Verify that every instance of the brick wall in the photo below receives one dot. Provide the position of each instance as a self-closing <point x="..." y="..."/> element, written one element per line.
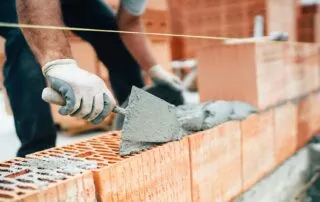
<point x="214" y="165"/>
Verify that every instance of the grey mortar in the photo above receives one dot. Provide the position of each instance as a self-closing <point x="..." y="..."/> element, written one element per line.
<point x="199" y="117"/>
<point x="150" y="119"/>
<point x="45" y="169"/>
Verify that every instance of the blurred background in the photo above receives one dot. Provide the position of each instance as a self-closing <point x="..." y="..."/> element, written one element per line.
<point x="300" y="20"/>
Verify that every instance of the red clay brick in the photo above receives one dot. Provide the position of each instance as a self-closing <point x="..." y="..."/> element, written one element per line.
<point x="315" y="113"/>
<point x="305" y="132"/>
<point x="257" y="147"/>
<point x="153" y="175"/>
<point x="285" y="131"/>
<point x="255" y="73"/>
<point x="216" y="163"/>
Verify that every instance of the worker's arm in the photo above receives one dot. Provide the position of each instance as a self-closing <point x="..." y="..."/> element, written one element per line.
<point x="85" y="94"/>
<point x="47" y="45"/>
<point x="129" y="19"/>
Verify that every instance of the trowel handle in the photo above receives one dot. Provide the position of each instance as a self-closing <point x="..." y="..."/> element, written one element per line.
<point x="52" y="96"/>
<point x="119" y="110"/>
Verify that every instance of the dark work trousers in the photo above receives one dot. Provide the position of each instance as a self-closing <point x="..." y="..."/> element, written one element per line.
<point x="24" y="81"/>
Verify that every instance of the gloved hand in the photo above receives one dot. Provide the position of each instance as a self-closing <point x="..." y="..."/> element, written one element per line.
<point x="85" y="94"/>
<point x="161" y="76"/>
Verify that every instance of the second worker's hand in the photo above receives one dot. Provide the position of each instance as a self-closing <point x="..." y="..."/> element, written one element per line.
<point x="161" y="76"/>
<point x="85" y="94"/>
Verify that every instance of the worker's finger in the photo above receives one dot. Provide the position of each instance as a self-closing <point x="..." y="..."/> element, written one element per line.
<point x="97" y="107"/>
<point x="72" y="103"/>
<point x="107" y="108"/>
<point x="52" y="96"/>
<point x="86" y="107"/>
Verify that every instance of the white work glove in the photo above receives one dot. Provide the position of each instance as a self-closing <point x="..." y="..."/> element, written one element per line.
<point x="85" y="95"/>
<point x="161" y="76"/>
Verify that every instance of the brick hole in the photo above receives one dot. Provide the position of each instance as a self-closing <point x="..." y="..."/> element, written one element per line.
<point x="9" y="162"/>
<point x="83" y="147"/>
<point x="85" y="154"/>
<point x="4" y="165"/>
<point x="93" y="159"/>
<point x="114" y="135"/>
<point x="100" y="147"/>
<point x="46" y="180"/>
<point x="101" y="164"/>
<point x="72" y="159"/>
<point x="25" y="187"/>
<point x="68" y="147"/>
<point x="37" y="155"/>
<point x="102" y="150"/>
<point x="24" y="180"/>
<point x="20" y="193"/>
<point x="113" y="147"/>
<point x="40" y="168"/>
<point x="69" y="152"/>
<point x="5" y="170"/>
<point x="55" y="155"/>
<point x="7" y="196"/>
<point x="54" y="152"/>
<point x="5" y="188"/>
<point x="109" y="153"/>
<point x="5" y="182"/>
<point x="112" y="158"/>
<point x="112" y="162"/>
<point x="43" y="173"/>
<point x="14" y="175"/>
<point x="65" y="173"/>
<point x="18" y="164"/>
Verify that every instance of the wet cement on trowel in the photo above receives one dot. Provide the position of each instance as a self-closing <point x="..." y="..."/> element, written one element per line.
<point x="148" y="120"/>
<point x="44" y="170"/>
<point x="191" y="118"/>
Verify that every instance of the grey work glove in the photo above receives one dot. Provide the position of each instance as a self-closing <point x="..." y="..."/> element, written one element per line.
<point x="85" y="95"/>
<point x="161" y="76"/>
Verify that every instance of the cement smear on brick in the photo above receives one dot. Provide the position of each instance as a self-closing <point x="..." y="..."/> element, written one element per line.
<point x="199" y="117"/>
<point x="38" y="173"/>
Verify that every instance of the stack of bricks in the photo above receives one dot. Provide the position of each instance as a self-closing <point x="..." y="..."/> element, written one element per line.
<point x="213" y="165"/>
<point x="262" y="74"/>
<point x="308" y="29"/>
<point x="226" y="18"/>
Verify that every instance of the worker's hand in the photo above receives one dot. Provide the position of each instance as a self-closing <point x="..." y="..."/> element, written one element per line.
<point x="85" y="95"/>
<point x="161" y="76"/>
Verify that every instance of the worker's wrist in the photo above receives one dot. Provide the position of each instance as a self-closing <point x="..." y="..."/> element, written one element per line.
<point x="58" y="62"/>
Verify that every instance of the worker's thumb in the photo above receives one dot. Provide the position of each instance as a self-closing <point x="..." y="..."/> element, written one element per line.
<point x="52" y="96"/>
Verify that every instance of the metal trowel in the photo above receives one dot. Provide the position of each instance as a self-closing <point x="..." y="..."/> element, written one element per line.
<point x="148" y="119"/>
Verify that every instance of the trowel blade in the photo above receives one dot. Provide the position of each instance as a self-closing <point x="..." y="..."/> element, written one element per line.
<point x="150" y="119"/>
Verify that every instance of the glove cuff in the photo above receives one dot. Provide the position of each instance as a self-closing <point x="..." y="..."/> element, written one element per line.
<point x="153" y="71"/>
<point x="54" y="63"/>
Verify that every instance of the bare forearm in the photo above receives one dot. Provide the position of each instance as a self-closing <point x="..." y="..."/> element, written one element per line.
<point x="46" y="44"/>
<point x="137" y="44"/>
